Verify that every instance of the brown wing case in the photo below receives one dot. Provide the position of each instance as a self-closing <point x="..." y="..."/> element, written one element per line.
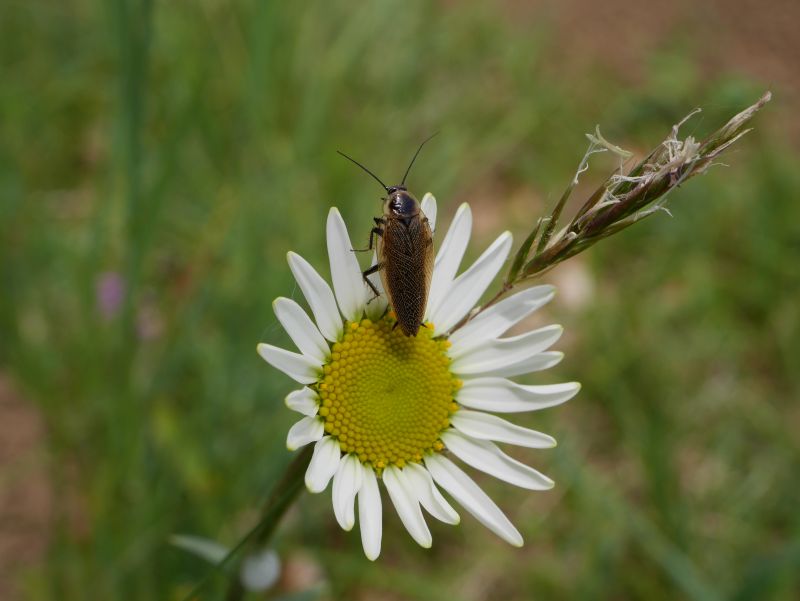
<point x="406" y="251"/>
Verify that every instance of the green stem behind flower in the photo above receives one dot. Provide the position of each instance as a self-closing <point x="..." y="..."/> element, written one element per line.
<point x="281" y="497"/>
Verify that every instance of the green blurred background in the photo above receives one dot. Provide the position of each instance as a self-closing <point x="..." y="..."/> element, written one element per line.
<point x="158" y="159"/>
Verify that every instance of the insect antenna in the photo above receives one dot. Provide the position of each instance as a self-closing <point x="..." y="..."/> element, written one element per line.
<point x="403" y="183"/>
<point x="377" y="179"/>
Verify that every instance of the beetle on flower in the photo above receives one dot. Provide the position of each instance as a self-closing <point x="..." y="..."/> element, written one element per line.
<point x="381" y="406"/>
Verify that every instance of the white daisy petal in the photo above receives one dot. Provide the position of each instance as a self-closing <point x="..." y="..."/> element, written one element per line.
<point x="351" y="292"/>
<point x="303" y="401"/>
<point x="376" y="305"/>
<point x="319" y="296"/>
<point x="407" y="505"/>
<point x="500" y="395"/>
<point x="308" y="429"/>
<point x="464" y="490"/>
<point x="370" y="514"/>
<point x="301" y="329"/>
<point x="428" y="205"/>
<point x="449" y="258"/>
<point x="323" y="465"/>
<point x="526" y="365"/>
<point x="467" y="288"/>
<point x="506" y="351"/>
<point x="497" y="319"/>
<point x="483" y="426"/>
<point x="298" y="367"/>
<point x="487" y="457"/>
<point x="429" y="496"/>
<point x="346" y="484"/>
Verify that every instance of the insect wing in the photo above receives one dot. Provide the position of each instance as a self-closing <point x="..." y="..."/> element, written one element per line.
<point x="406" y="251"/>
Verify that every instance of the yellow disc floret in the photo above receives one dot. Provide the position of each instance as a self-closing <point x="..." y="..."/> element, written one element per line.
<point x="386" y="396"/>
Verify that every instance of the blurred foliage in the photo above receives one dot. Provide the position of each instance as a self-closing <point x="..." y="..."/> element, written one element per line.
<point x="188" y="146"/>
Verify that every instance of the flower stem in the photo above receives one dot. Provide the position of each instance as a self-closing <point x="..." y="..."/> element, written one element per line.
<point x="281" y="497"/>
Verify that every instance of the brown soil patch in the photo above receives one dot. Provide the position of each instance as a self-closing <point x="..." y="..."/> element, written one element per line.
<point x="25" y="494"/>
<point x="755" y="39"/>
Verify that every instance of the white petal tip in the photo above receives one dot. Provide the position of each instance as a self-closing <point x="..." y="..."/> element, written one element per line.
<point x="576" y="388"/>
<point x="371" y="556"/>
<point x="545" y="483"/>
<point x="517" y="543"/>
<point x="548" y="442"/>
<point x="290" y="447"/>
<point x="315" y="487"/>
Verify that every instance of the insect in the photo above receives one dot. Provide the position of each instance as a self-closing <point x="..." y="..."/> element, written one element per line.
<point x="405" y="252"/>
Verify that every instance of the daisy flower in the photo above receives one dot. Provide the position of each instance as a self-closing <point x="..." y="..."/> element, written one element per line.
<point x="379" y="406"/>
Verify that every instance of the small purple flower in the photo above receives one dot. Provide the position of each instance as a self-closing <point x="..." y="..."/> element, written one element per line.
<point x="110" y="290"/>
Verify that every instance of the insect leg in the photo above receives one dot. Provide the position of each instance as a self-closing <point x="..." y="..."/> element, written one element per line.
<point x="373" y="232"/>
<point x="376" y="231"/>
<point x="374" y="269"/>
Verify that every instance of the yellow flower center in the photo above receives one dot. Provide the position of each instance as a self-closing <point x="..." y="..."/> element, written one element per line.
<point x="385" y="396"/>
